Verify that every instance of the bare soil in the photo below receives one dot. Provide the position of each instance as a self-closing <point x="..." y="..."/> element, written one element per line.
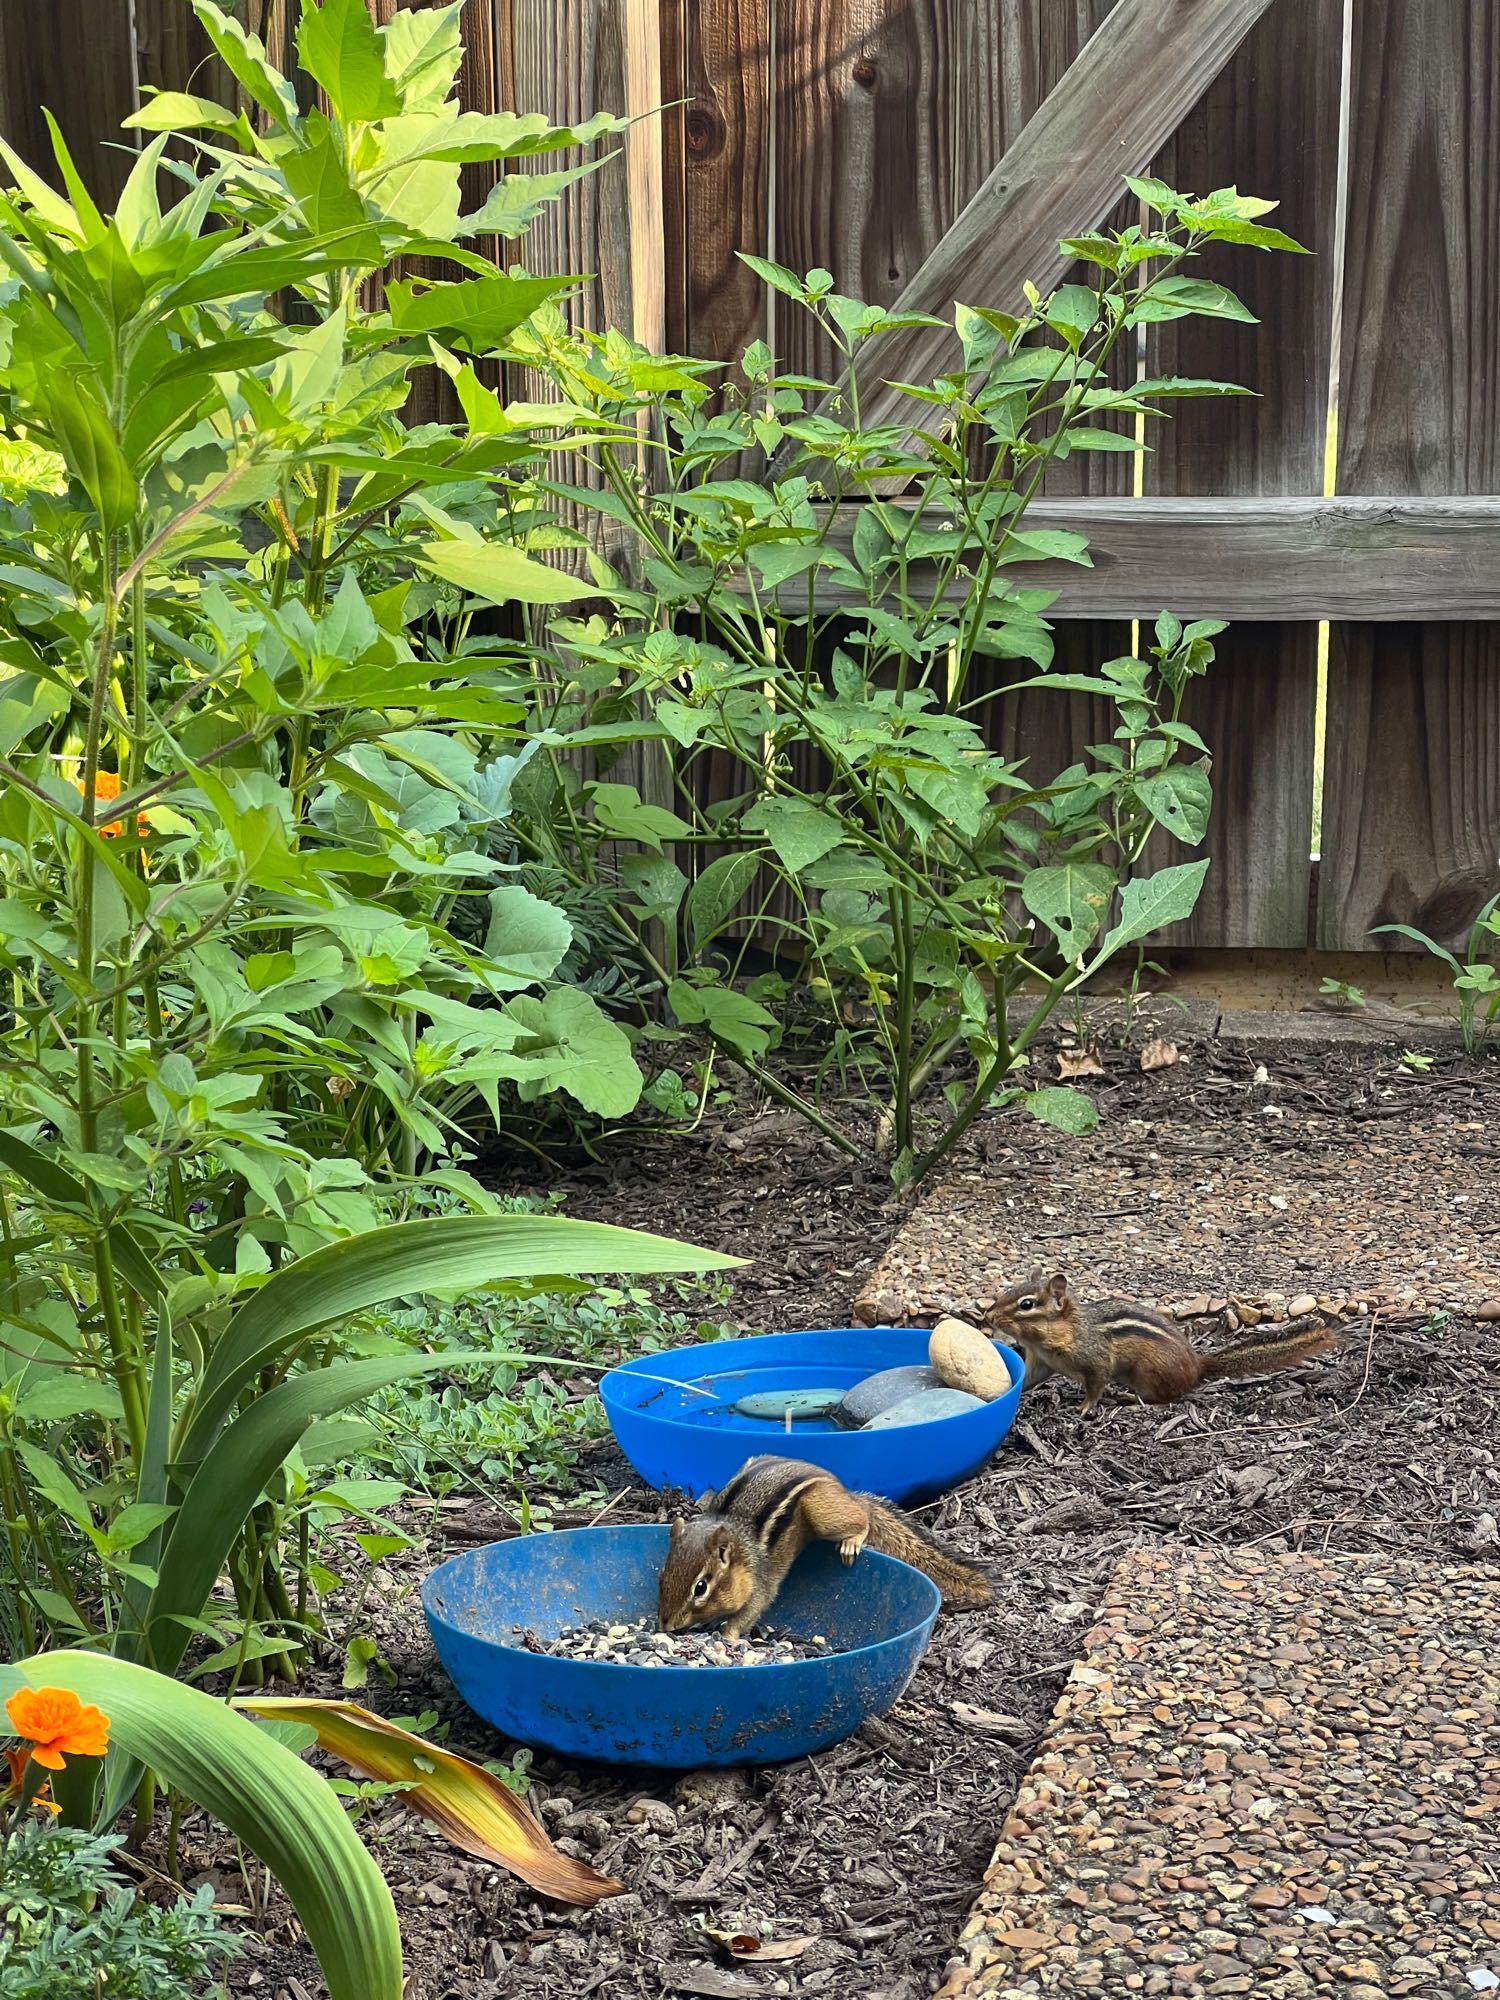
<point x="862" y="1864"/>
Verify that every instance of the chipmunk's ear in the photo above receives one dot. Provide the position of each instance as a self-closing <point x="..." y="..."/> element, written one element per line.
<point x="677" y="1531"/>
<point x="1057" y="1287"/>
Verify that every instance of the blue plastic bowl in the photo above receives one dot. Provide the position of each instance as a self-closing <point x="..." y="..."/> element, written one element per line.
<point x="676" y="1437"/>
<point x="675" y="1717"/>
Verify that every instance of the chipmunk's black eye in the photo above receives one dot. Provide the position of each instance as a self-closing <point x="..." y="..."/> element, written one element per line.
<point x="1028" y="1304"/>
<point x="700" y="1588"/>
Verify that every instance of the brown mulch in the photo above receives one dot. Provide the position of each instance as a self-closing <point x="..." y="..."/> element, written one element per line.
<point x="874" y="1851"/>
<point x="1275" y="1774"/>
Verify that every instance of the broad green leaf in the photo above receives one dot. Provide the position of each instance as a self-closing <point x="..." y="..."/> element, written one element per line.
<point x="730" y="1017"/>
<point x="283" y="1811"/>
<point x="1149" y="902"/>
<point x="88" y="444"/>
<point x="340" y="48"/>
<point x="54" y="1483"/>
<point x="777" y="276"/>
<point x="657" y="884"/>
<point x="178" y="111"/>
<point x="1072" y="899"/>
<point x="527" y="938"/>
<point x="717" y="893"/>
<point x="800" y="833"/>
<point x="502" y="574"/>
<point x="423" y="54"/>
<point x="1067" y="1110"/>
<point x="621" y="810"/>
<point x="51" y="1396"/>
<point x="569" y="1043"/>
<point x="405" y="1259"/>
<point x="479" y="311"/>
<point x="1178" y="798"/>
<point x="1176" y="298"/>
<point x="468" y="1805"/>
<point x="244" y="56"/>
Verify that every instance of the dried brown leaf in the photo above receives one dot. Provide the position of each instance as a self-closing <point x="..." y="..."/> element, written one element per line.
<point x="1159" y="1054"/>
<point x="744" y="1945"/>
<point x="1078" y="1062"/>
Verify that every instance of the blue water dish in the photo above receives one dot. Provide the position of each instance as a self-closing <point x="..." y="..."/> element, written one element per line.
<point x="673" y="1414"/>
<point x="480" y="1603"/>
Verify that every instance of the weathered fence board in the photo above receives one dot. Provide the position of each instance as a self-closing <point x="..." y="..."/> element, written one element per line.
<point x="1238" y="558"/>
<point x="1268" y="124"/>
<point x="1412" y="792"/>
<point x="76" y="59"/>
<point x="1125" y="94"/>
<point x="716" y="54"/>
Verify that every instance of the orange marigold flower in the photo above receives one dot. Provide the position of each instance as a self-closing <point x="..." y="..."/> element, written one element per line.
<point x="57" y="1725"/>
<point x="107" y="786"/>
<point x="15" y="1763"/>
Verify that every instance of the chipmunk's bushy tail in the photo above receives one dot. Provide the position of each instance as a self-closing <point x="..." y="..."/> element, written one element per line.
<point x="1268" y="1353"/>
<point x="964" y="1585"/>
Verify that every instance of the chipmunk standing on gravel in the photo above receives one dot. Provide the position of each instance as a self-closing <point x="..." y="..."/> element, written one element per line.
<point x="1120" y="1342"/>
<point x="732" y="1560"/>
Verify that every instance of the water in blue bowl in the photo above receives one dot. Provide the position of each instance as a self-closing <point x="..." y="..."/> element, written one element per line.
<point x="673" y="1414"/>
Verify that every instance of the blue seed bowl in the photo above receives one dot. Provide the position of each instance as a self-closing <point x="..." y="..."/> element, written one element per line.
<point x="877" y="1619"/>
<point x="672" y="1413"/>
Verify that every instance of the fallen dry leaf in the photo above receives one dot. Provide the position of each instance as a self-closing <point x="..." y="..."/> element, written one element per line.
<point x="991" y="1722"/>
<point x="1078" y="1062"/>
<point x="745" y="1945"/>
<point x="468" y="1805"/>
<point x="1158" y="1055"/>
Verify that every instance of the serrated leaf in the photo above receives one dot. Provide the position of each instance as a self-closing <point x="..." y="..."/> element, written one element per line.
<point x="339" y="47"/>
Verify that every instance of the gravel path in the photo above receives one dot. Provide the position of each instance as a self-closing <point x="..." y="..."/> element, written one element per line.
<point x="1275" y="1775"/>
<point x="1234" y="1189"/>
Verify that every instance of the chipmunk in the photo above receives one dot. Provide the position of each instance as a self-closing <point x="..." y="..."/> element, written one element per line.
<point x="733" y="1559"/>
<point x="1119" y="1342"/>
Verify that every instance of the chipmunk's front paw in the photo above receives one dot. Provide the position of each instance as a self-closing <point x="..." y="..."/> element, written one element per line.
<point x="850" y="1547"/>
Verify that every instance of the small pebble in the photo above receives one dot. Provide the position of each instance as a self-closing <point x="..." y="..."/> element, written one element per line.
<point x="641" y="1645"/>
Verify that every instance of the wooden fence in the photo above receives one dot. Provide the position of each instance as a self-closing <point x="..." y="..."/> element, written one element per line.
<point x="924" y="150"/>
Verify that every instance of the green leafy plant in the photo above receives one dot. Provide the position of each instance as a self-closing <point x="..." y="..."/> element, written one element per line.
<point x="1342" y="993"/>
<point x="953" y="896"/>
<point x="69" y="1926"/>
<point x="1476" y="976"/>
<point x="253" y="743"/>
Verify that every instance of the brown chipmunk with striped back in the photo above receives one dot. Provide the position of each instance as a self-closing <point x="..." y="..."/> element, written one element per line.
<point x="732" y="1560"/>
<point x="1116" y="1341"/>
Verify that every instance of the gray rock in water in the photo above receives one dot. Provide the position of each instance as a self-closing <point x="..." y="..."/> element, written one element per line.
<point x="925" y="1407"/>
<point x="867" y="1399"/>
